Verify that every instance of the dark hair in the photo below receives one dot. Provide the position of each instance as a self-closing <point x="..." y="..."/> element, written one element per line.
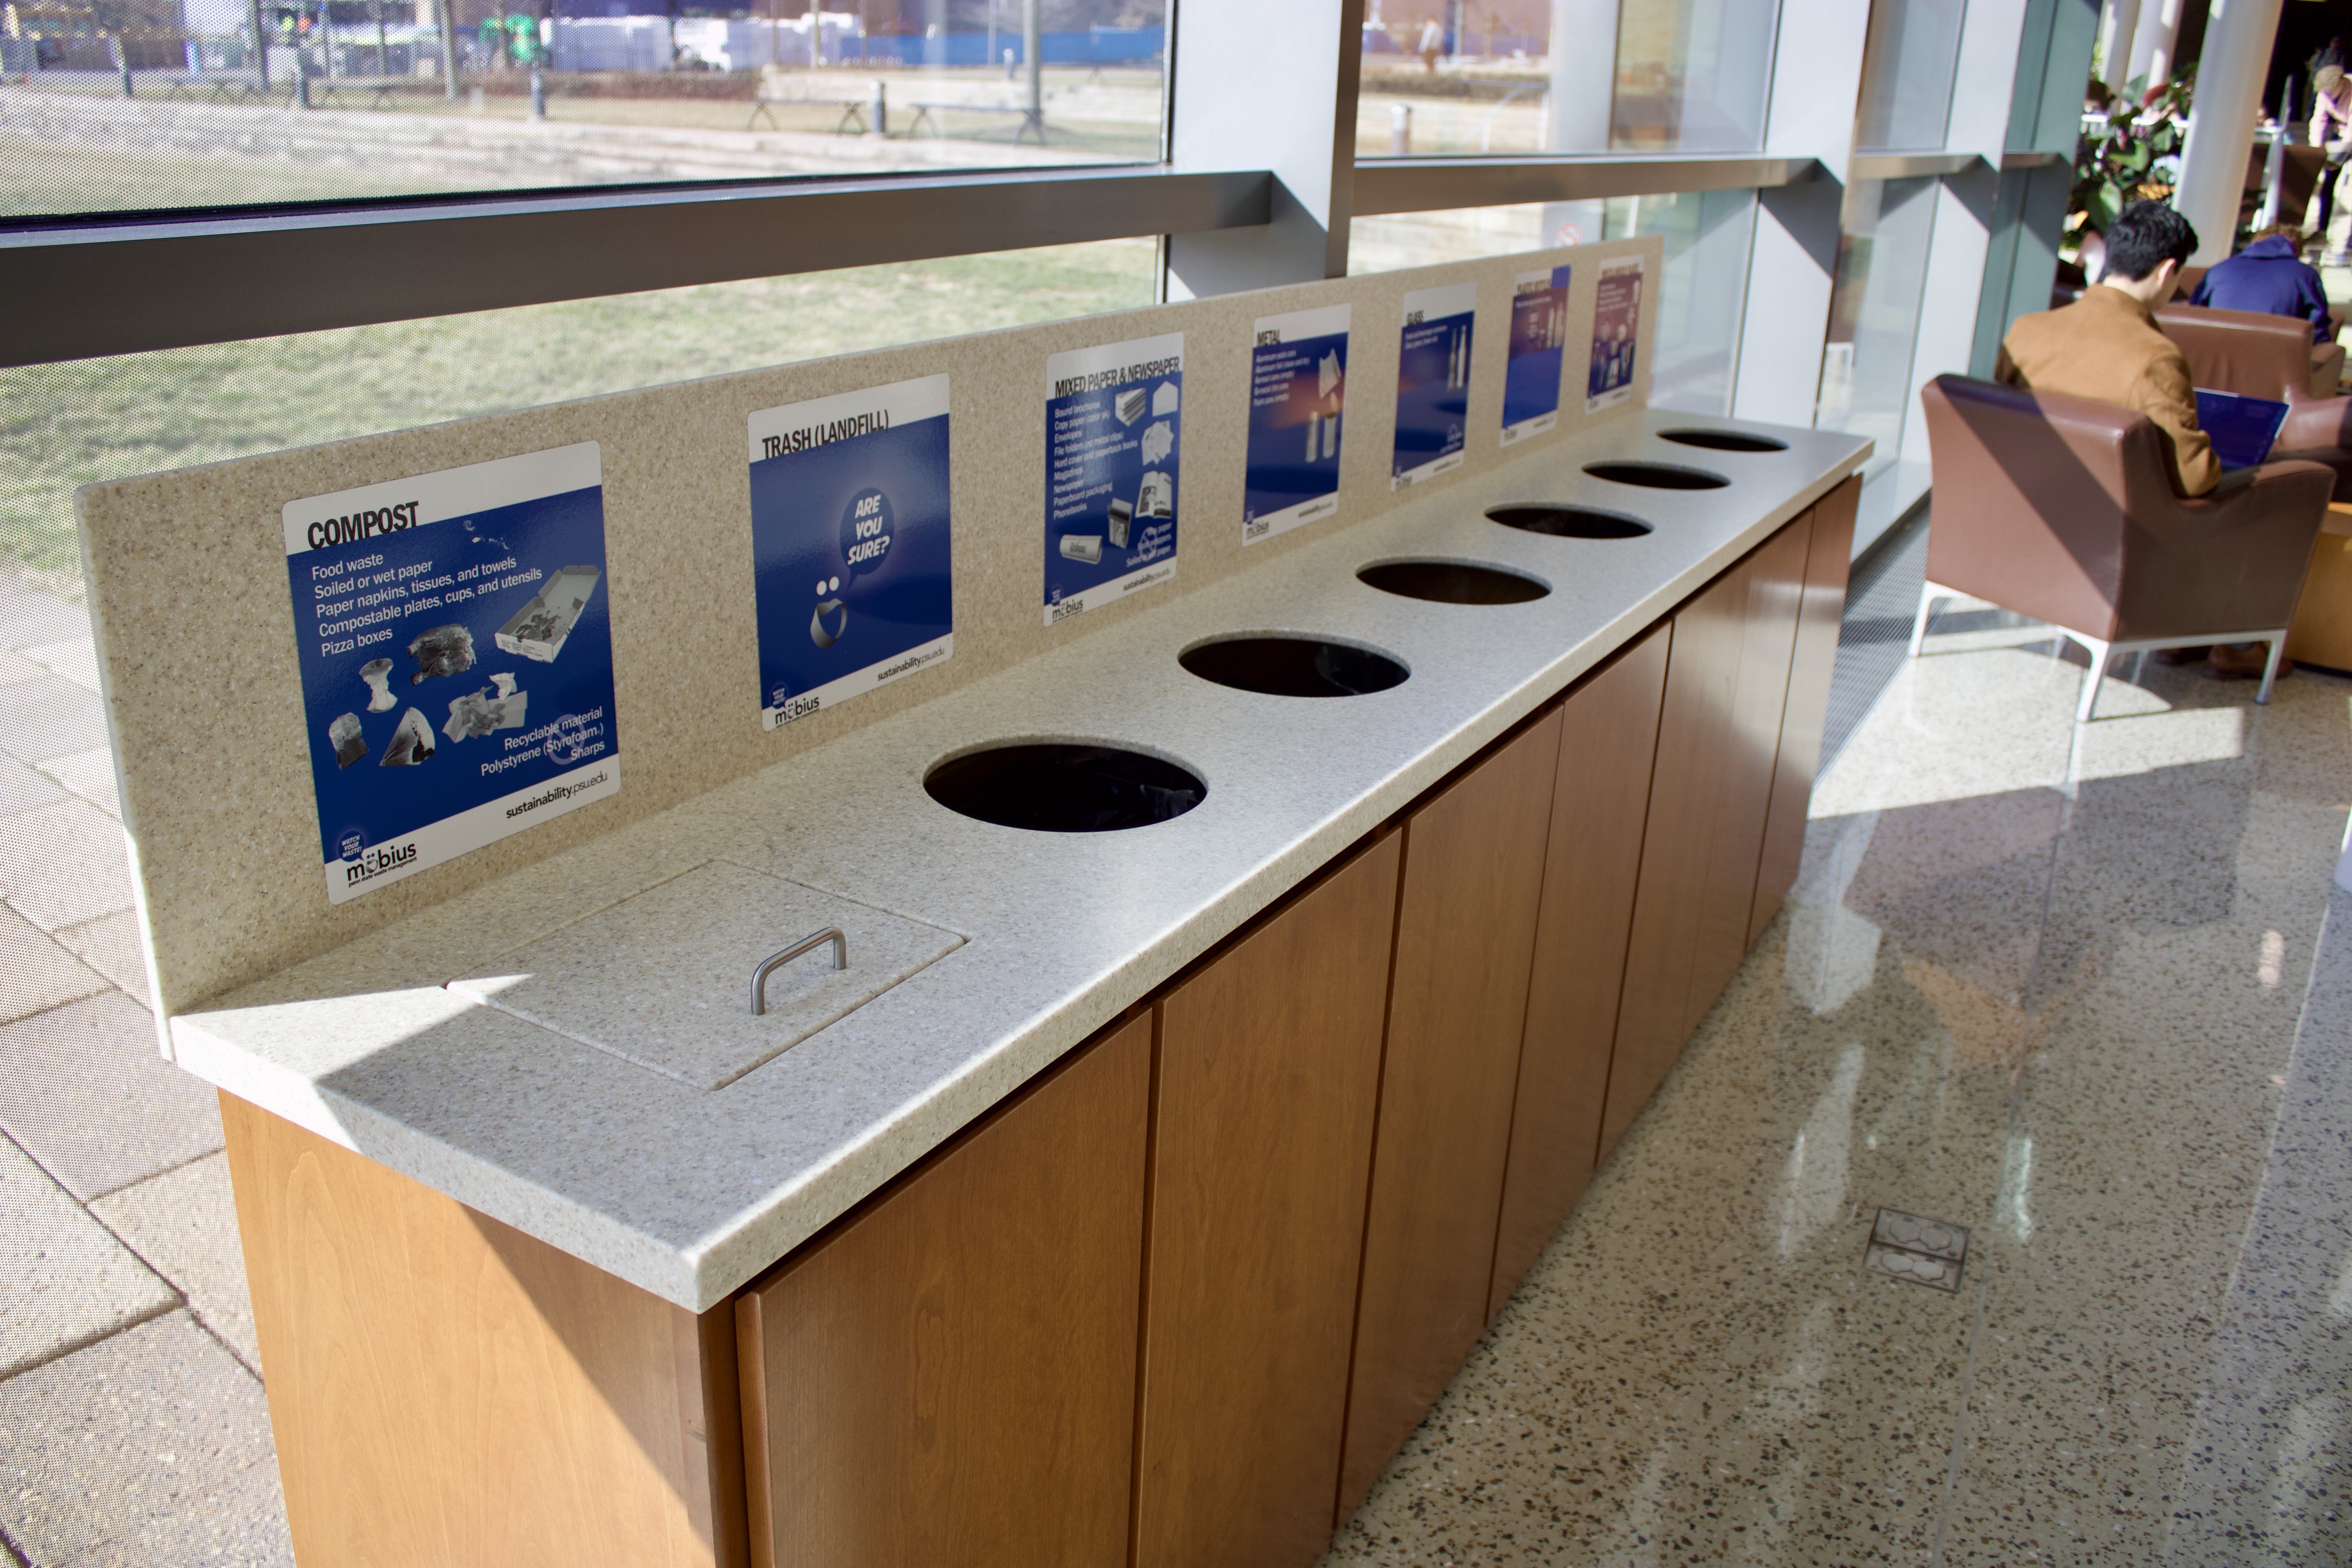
<point x="2144" y="237"/>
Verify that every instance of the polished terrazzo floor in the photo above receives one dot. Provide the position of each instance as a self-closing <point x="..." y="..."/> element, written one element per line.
<point x="2056" y="996"/>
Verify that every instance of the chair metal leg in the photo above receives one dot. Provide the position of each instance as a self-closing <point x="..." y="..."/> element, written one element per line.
<point x="2139" y="666"/>
<point x="2269" y="668"/>
<point x="1928" y="593"/>
<point x="2099" y="652"/>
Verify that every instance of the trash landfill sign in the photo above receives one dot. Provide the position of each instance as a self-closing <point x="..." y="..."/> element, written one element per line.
<point x="457" y="657"/>
<point x="849" y="544"/>
<point x="1113" y="416"/>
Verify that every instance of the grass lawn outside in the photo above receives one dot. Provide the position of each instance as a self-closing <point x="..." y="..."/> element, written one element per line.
<point x="64" y="425"/>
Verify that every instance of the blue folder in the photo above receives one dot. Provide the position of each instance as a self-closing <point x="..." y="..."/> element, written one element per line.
<point x="2240" y="428"/>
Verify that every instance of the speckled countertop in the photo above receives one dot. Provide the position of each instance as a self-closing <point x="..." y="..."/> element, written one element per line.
<point x="689" y="1192"/>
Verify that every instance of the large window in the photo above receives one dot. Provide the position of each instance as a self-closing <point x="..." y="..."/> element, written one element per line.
<point x="1692" y="75"/>
<point x="1908" y="64"/>
<point x="1881" y="280"/>
<point x="1686" y="76"/>
<point x="140" y="104"/>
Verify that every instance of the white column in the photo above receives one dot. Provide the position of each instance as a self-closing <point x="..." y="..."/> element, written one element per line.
<point x="1260" y="86"/>
<point x="2151" y="51"/>
<point x="1583" y="54"/>
<point x="2117" y="25"/>
<point x="2238" y="38"/>
<point x="1816" y="84"/>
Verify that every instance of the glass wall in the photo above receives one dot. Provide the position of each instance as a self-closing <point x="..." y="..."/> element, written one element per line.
<point x="1882" y="277"/>
<point x="1704" y="294"/>
<point x="1445" y="77"/>
<point x="1692" y="75"/>
<point x="64" y="425"/>
<point x="179" y="107"/>
<point x="1907" y="67"/>
<point x="1699" y="300"/>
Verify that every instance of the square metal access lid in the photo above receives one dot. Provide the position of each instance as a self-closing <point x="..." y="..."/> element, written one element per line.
<point x="662" y="979"/>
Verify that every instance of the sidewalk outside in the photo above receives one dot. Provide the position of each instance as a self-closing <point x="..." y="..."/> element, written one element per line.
<point x="133" y="1427"/>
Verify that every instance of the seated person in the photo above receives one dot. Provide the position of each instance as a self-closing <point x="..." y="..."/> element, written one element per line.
<point x="2107" y="346"/>
<point x="2269" y="278"/>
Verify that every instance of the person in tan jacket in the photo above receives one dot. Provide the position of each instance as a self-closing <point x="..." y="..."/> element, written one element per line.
<point x="2106" y="345"/>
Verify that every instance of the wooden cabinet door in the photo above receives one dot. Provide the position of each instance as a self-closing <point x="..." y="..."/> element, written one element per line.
<point x="445" y="1389"/>
<point x="1776" y="586"/>
<point x="1269" y="1068"/>
<point x="1693" y="750"/>
<point x="1608" y="735"/>
<point x="1465" y="935"/>
<point x="948" y="1376"/>
<point x="1810" y="669"/>
<point x="1710" y="791"/>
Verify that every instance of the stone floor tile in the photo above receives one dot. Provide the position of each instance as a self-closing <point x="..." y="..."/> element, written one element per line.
<point x="23" y="788"/>
<point x="65" y="864"/>
<point x="183" y="1222"/>
<point x="111" y="944"/>
<point x="150" y="1449"/>
<point x="28" y="617"/>
<point x="36" y="974"/>
<point x="84" y="1090"/>
<point x="14" y="667"/>
<point x="64" y="1281"/>
<point x="47" y="717"/>
<point x="75" y="660"/>
<point x="89" y="775"/>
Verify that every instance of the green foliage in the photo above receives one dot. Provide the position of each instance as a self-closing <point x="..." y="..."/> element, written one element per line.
<point x="2117" y="163"/>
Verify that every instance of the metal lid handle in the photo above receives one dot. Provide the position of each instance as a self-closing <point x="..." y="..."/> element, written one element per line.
<point x="774" y="962"/>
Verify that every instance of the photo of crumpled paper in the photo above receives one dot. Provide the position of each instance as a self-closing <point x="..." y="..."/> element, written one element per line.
<point x="492" y="708"/>
<point x="440" y="651"/>
<point x="1159" y="440"/>
<point x="344" y="734"/>
<point x="412" y="743"/>
<point x="1327" y="374"/>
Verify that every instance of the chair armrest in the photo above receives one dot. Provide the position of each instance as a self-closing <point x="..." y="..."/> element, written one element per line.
<point x="2229" y="561"/>
<point x="2315" y="422"/>
<point x="2326" y="370"/>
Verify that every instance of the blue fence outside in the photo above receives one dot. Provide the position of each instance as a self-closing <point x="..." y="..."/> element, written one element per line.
<point x="1096" y="45"/>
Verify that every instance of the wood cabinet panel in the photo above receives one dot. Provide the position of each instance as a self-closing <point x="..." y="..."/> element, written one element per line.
<point x="1466" y="937"/>
<point x="445" y="1389"/>
<point x="1776" y="586"/>
<point x="1608" y="735"/>
<point x="1269" y="1067"/>
<point x="1810" y="669"/>
<point x="948" y="1376"/>
<point x="1694" y="756"/>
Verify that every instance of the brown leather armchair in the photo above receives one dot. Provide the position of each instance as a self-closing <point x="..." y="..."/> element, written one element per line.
<point x="2063" y="509"/>
<point x="2272" y="356"/>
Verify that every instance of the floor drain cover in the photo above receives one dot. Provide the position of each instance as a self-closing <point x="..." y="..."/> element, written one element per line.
<point x="1923" y="1251"/>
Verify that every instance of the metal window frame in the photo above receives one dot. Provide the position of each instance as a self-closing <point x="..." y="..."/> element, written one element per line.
<point x="125" y="283"/>
<point x="143" y="281"/>
<point x="1429" y="185"/>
